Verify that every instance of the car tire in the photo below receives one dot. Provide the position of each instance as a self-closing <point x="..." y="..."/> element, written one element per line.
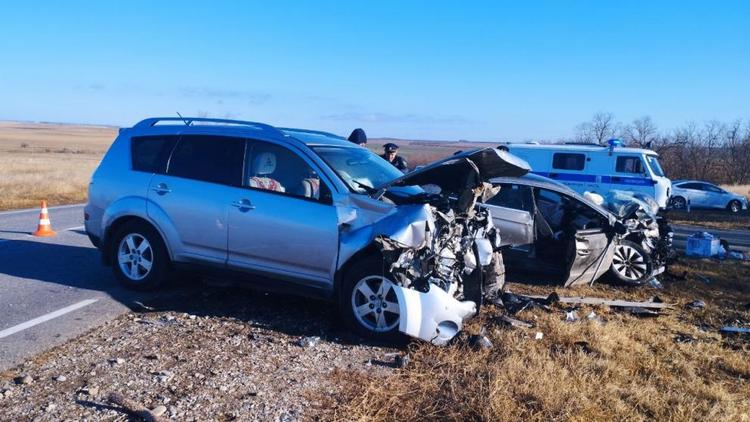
<point x="734" y="206"/>
<point x="679" y="203"/>
<point x="367" y="303"/>
<point x="631" y="264"/>
<point x="139" y="258"/>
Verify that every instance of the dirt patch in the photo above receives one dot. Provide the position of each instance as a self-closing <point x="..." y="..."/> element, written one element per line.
<point x="215" y="354"/>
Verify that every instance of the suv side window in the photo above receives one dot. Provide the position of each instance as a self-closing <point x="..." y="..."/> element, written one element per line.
<point x="215" y="159"/>
<point x="630" y="164"/>
<point x="277" y="169"/>
<point x="151" y="153"/>
<point x="568" y="161"/>
<point x="517" y="197"/>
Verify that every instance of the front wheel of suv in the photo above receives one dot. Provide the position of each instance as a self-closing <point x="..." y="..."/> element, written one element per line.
<point x="368" y="301"/>
<point x="139" y="258"/>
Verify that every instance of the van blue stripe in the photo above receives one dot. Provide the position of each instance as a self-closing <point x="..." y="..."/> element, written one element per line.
<point x="591" y="178"/>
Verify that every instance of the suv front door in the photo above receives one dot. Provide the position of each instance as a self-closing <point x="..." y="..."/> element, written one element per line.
<point x="191" y="200"/>
<point x="282" y="221"/>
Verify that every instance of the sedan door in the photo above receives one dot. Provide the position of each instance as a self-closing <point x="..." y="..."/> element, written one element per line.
<point x="593" y="254"/>
<point x="511" y="211"/>
<point x="190" y="202"/>
<point x="282" y="221"/>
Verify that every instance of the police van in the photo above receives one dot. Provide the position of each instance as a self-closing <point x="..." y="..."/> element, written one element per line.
<point x="595" y="168"/>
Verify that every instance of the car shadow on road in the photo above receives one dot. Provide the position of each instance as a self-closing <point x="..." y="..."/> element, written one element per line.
<point x="81" y="267"/>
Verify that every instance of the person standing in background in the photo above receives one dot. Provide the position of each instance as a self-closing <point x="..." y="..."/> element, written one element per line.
<point x="358" y="137"/>
<point x="391" y="155"/>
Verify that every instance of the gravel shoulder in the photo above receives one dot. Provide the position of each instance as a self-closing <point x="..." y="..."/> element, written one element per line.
<point x="205" y="353"/>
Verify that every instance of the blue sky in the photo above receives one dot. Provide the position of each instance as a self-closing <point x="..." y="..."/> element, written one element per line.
<point x="421" y="69"/>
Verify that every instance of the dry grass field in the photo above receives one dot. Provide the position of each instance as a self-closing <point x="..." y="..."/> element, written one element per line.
<point x="614" y="367"/>
<point x="48" y="161"/>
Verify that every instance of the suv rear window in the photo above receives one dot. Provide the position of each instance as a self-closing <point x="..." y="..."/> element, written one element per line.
<point x="567" y="161"/>
<point x="215" y="159"/>
<point x="151" y="153"/>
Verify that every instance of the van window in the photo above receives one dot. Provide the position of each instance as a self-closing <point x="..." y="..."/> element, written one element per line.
<point x="150" y="153"/>
<point x="629" y="164"/>
<point x="277" y="169"/>
<point x="653" y="162"/>
<point x="215" y="159"/>
<point x="568" y="161"/>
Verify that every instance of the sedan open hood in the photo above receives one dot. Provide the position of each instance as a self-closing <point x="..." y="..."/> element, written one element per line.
<point x="464" y="170"/>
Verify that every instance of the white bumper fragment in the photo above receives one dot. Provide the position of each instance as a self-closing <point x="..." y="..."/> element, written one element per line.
<point x="435" y="316"/>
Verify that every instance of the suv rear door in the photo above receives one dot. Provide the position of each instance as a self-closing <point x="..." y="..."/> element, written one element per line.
<point x="192" y="199"/>
<point x="282" y="220"/>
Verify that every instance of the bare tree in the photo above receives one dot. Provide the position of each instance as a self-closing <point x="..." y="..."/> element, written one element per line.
<point x="599" y="129"/>
<point x="641" y="132"/>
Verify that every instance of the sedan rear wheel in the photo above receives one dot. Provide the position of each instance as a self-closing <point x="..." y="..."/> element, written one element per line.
<point x="678" y="203"/>
<point x="630" y="263"/>
<point x="734" y="207"/>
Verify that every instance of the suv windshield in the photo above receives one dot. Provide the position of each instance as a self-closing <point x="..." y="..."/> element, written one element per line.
<point x="653" y="162"/>
<point x="359" y="168"/>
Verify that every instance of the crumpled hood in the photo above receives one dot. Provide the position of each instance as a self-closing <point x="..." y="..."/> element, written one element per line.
<point x="465" y="170"/>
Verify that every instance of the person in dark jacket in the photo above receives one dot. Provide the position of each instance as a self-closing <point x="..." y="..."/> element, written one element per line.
<point x="358" y="137"/>
<point x="391" y="155"/>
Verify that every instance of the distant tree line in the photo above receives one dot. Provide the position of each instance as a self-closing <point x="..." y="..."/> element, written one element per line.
<point x="715" y="151"/>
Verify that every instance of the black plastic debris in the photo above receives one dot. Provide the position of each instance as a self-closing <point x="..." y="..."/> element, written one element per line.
<point x="640" y="312"/>
<point x="696" y="304"/>
<point x="683" y="338"/>
<point x="513" y="322"/>
<point x="727" y="330"/>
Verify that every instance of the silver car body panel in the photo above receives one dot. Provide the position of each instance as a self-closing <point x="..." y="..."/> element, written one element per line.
<point x="303" y="239"/>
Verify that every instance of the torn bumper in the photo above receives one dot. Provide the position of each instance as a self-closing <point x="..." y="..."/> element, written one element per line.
<point x="435" y="316"/>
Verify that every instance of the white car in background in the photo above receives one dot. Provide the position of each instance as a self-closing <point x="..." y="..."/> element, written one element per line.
<point x="705" y="195"/>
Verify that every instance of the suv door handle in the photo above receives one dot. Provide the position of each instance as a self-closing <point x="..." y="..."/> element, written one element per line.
<point x="243" y="205"/>
<point x="162" y="189"/>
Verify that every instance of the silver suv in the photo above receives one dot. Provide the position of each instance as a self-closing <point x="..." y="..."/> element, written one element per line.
<point x="302" y="211"/>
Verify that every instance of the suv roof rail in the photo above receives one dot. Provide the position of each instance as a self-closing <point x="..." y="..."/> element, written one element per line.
<point x="313" y="132"/>
<point x="188" y="121"/>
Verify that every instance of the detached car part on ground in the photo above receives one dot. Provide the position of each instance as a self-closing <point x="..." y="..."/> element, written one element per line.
<point x="304" y="212"/>
<point x="550" y="229"/>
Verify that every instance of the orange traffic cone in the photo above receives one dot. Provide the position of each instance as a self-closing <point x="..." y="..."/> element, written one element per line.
<point x="45" y="228"/>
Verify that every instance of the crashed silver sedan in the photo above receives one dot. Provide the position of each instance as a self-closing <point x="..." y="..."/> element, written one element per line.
<point x="302" y="211"/>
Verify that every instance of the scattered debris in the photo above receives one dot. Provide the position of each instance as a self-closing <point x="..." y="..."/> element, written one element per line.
<point x="513" y="322"/>
<point x="480" y="341"/>
<point x="571" y="316"/>
<point x="656" y="284"/>
<point x="539" y="335"/>
<point x="310" y="341"/>
<point x="640" y="312"/>
<point x="702" y="245"/>
<point x="23" y="379"/>
<point x="684" y="338"/>
<point x="399" y="360"/>
<point x="515" y="303"/>
<point x="607" y="302"/>
<point x="61" y="378"/>
<point x="704" y="278"/>
<point x="134" y="409"/>
<point x="696" y="304"/>
<point x="727" y="330"/>
<point x="142" y="306"/>
<point x="116" y="361"/>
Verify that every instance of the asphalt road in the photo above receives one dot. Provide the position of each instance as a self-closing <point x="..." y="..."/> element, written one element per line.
<point x="54" y="289"/>
<point x="51" y="289"/>
<point x="738" y="239"/>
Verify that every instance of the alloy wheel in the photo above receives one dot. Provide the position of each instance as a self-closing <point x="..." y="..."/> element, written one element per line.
<point x="629" y="262"/>
<point x="135" y="256"/>
<point x="375" y="304"/>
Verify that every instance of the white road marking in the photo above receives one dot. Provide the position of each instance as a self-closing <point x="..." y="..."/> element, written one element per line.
<point x="75" y="228"/>
<point x="46" y="317"/>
